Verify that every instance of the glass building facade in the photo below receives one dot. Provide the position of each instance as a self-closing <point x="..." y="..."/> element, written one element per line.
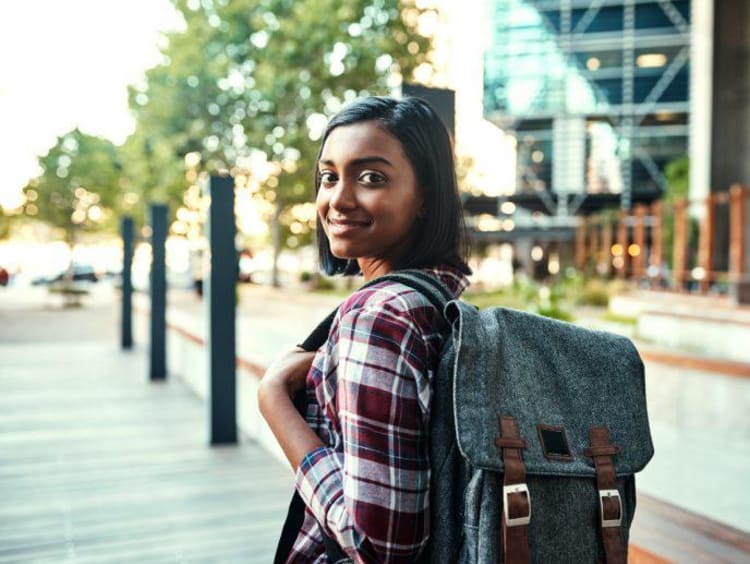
<point x="596" y="91"/>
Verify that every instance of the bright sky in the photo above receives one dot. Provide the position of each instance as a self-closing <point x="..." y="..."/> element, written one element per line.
<point x="65" y="64"/>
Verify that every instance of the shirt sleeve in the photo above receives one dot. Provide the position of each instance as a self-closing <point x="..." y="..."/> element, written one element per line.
<point x="373" y="497"/>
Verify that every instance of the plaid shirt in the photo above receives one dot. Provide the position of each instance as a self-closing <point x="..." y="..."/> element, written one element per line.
<point x="369" y="391"/>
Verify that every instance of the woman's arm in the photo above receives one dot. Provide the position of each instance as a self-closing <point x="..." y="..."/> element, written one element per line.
<point x="284" y="377"/>
<point x="373" y="497"/>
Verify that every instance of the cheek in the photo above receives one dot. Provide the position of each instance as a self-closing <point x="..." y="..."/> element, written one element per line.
<point x="405" y="210"/>
<point x="321" y="207"/>
<point x="321" y="204"/>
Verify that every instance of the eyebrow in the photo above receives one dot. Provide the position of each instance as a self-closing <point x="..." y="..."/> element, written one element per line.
<point x="360" y="161"/>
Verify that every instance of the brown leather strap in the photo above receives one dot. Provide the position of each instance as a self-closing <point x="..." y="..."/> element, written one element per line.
<point x="610" y="504"/>
<point x="504" y="442"/>
<point x="516" y="500"/>
<point x="609" y="450"/>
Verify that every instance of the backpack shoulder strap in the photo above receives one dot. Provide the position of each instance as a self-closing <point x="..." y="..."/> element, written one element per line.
<point x="423" y="283"/>
<point x="427" y="285"/>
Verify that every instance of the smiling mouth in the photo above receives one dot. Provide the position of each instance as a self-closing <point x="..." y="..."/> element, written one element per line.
<point x="344" y="226"/>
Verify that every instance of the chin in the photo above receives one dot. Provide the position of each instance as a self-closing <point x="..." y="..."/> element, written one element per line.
<point x="343" y="252"/>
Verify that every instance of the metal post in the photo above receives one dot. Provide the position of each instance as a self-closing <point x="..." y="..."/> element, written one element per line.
<point x="219" y="295"/>
<point x="158" y="368"/>
<point x="627" y="123"/>
<point x="126" y="317"/>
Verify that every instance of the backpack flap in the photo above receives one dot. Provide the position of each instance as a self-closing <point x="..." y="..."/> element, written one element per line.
<point x="556" y="379"/>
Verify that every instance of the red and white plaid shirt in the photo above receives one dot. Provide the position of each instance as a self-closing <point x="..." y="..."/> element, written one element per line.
<point x="369" y="391"/>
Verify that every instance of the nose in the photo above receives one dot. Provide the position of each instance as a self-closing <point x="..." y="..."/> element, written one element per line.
<point x="343" y="196"/>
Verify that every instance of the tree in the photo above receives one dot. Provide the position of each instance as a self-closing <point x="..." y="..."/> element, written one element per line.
<point x="78" y="188"/>
<point x="5" y="221"/>
<point x="253" y="81"/>
<point x="677" y="173"/>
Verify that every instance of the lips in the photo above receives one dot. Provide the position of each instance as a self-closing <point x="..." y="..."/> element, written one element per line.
<point x="344" y="226"/>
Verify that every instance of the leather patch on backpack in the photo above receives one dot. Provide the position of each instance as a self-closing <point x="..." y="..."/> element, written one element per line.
<point x="554" y="443"/>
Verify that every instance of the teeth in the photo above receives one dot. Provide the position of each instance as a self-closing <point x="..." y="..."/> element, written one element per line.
<point x="339" y="222"/>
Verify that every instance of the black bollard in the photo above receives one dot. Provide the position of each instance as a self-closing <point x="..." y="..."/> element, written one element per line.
<point x="126" y="316"/>
<point x="158" y="367"/>
<point x="219" y="295"/>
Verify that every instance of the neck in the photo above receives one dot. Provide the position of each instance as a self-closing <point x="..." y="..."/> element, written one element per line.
<point x="374" y="268"/>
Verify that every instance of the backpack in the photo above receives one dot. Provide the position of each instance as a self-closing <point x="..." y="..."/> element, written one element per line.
<point x="537" y="428"/>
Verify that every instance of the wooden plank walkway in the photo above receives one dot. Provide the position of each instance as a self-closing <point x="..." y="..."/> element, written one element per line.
<point x="98" y="465"/>
<point x="672" y="534"/>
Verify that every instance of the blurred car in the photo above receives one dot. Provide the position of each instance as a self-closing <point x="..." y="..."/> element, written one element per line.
<point x="81" y="273"/>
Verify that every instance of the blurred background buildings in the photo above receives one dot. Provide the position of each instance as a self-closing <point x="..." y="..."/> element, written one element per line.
<point x="560" y="109"/>
<point x="593" y="103"/>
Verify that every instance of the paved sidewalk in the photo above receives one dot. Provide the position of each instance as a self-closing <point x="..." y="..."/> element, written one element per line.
<point x="99" y="465"/>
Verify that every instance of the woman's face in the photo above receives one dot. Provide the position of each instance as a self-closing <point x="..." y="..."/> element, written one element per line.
<point x="368" y="197"/>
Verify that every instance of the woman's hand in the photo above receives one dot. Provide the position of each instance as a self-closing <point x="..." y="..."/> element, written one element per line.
<point x="282" y="379"/>
<point x="289" y="371"/>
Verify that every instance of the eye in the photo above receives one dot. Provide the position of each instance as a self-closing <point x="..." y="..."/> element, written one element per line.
<point x="327" y="178"/>
<point x="372" y="178"/>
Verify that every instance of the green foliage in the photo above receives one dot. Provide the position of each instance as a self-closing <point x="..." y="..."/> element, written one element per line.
<point x="594" y="292"/>
<point x="78" y="190"/>
<point x="525" y="294"/>
<point x="253" y="78"/>
<point x="5" y="222"/>
<point x="324" y="283"/>
<point x="326" y="286"/>
<point x="557" y="300"/>
<point x="505" y="298"/>
<point x="152" y="173"/>
<point x="555" y="312"/>
<point x="621" y="319"/>
<point x="677" y="173"/>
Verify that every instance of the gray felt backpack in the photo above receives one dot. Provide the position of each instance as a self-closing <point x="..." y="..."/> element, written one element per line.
<point x="537" y="429"/>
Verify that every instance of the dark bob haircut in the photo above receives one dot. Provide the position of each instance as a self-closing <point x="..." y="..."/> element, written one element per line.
<point x="440" y="236"/>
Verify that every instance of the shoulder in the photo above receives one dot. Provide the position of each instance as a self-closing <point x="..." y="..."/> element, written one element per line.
<point x="397" y="306"/>
<point x="390" y="296"/>
<point x="386" y="310"/>
<point x="386" y="297"/>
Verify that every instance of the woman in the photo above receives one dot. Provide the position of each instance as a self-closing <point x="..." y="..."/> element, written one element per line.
<point x="387" y="199"/>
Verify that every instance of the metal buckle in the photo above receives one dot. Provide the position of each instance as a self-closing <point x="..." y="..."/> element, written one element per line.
<point x="609" y="494"/>
<point x="511" y="489"/>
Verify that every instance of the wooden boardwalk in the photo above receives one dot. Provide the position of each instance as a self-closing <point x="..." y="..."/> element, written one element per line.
<point x="98" y="465"/>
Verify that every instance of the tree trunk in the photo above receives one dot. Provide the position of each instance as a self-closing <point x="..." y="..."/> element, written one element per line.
<point x="276" y="239"/>
<point x="70" y="296"/>
<point x="71" y="237"/>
